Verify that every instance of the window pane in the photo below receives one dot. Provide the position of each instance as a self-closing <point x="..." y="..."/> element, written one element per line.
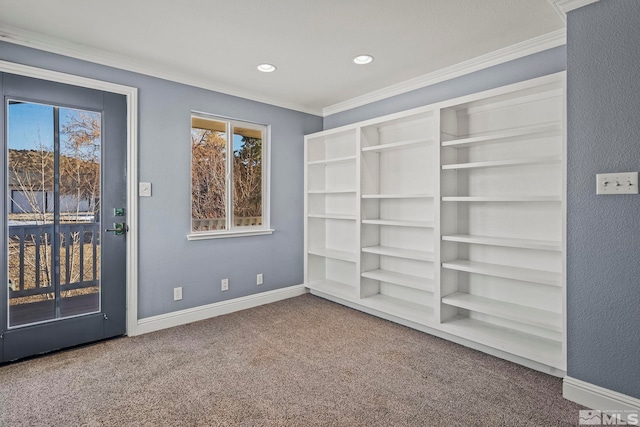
<point x="208" y="174"/>
<point x="247" y="177"/>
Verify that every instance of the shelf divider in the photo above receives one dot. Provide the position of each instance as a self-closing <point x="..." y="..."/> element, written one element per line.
<point x="335" y="254"/>
<point x="398" y="196"/>
<point x="513" y="135"/>
<point x="505" y="242"/>
<point x="516" y="312"/>
<point x="501" y="199"/>
<point x="543" y="350"/>
<point x="417" y="313"/>
<point x="401" y="279"/>
<point x="503" y="163"/>
<point x="344" y="159"/>
<point x="333" y="216"/>
<point x="399" y="223"/>
<point x="399" y="253"/>
<point x="332" y="287"/>
<point x="506" y="272"/>
<point x="395" y="145"/>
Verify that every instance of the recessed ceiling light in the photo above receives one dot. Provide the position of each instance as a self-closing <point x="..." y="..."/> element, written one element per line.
<point x="363" y="59"/>
<point x="267" y="68"/>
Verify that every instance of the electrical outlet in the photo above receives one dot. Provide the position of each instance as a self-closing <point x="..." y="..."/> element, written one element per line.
<point x="177" y="293"/>
<point x="617" y="183"/>
<point x="145" y="189"/>
<point x="224" y="285"/>
<point x="259" y="279"/>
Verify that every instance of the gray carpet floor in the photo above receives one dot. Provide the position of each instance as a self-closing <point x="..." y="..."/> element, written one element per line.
<point x="299" y="362"/>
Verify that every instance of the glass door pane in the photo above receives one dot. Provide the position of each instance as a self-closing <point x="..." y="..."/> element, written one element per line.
<point x="53" y="205"/>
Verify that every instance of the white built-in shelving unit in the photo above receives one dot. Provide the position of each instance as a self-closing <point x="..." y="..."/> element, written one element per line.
<point x="397" y="210"/>
<point x="502" y="210"/>
<point x="450" y="218"/>
<point x="331" y="211"/>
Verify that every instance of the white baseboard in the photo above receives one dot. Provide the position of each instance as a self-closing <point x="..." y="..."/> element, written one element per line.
<point x="182" y="317"/>
<point x="596" y="397"/>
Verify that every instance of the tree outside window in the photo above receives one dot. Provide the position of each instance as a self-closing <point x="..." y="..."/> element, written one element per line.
<point x="227" y="170"/>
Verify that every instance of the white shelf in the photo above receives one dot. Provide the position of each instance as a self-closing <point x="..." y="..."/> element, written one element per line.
<point x="522" y="134"/>
<point x="399" y="223"/>
<point x="504" y="163"/>
<point x="331" y="191"/>
<point x="532" y="347"/>
<point x="396" y="145"/>
<point x="333" y="216"/>
<point x="399" y="253"/>
<point x="506" y="242"/>
<point x="401" y="279"/>
<point x="411" y="311"/>
<point x="518" y="313"/>
<point x="331" y="287"/>
<point x="332" y="253"/>
<point x="515" y="273"/>
<point x="501" y="199"/>
<point x="398" y="196"/>
<point x="345" y="159"/>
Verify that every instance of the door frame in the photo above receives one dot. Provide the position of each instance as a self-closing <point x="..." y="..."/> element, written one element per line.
<point x="131" y="94"/>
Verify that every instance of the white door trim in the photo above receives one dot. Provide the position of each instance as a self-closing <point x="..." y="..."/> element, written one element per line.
<point x="131" y="94"/>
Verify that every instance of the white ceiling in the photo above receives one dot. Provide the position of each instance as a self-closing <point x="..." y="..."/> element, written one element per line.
<point x="218" y="44"/>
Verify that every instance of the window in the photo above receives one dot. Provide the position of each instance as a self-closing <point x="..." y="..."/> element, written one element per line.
<point x="229" y="188"/>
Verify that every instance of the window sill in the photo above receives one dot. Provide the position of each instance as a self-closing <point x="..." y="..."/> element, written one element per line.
<point x="225" y="234"/>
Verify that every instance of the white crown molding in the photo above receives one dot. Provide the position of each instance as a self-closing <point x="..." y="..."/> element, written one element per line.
<point x="83" y="52"/>
<point x="78" y="51"/>
<point x="519" y="50"/>
<point x="564" y="6"/>
<point x="596" y="397"/>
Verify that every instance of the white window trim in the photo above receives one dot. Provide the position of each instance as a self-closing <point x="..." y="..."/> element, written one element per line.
<point x="265" y="228"/>
<point x="223" y="234"/>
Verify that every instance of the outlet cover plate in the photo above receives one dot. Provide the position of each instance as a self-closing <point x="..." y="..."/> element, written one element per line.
<point x="224" y="284"/>
<point x="177" y="293"/>
<point x="144" y="189"/>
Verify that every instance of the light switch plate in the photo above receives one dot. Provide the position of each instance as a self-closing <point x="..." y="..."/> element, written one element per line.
<point x="145" y="189"/>
<point x="617" y="183"/>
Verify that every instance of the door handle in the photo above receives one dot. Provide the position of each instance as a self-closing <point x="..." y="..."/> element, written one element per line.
<point x="119" y="228"/>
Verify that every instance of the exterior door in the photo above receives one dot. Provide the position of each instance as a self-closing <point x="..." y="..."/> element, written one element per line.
<point x="62" y="228"/>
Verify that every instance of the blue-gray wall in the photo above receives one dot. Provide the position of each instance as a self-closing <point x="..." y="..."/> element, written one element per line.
<point x="603" y="278"/>
<point x="529" y="67"/>
<point x="166" y="258"/>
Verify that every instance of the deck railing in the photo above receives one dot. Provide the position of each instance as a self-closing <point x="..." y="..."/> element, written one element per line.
<point x="210" y="224"/>
<point x="31" y="264"/>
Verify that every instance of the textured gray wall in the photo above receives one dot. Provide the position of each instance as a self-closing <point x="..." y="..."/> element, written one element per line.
<point x="603" y="61"/>
<point x="532" y="66"/>
<point x="167" y="259"/>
